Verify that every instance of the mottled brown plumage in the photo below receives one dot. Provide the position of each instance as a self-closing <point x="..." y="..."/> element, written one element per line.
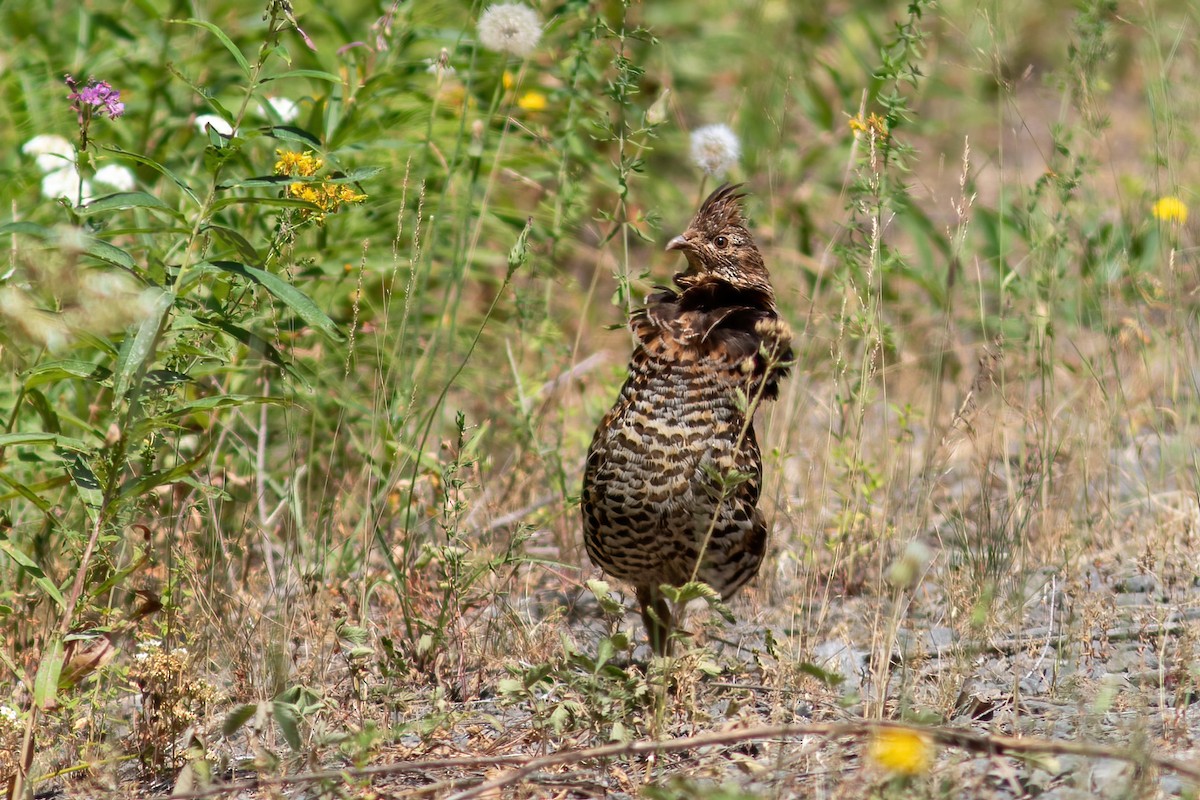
<point x="671" y="485"/>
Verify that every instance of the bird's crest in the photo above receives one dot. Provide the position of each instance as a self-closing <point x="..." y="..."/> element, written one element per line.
<point x="721" y="208"/>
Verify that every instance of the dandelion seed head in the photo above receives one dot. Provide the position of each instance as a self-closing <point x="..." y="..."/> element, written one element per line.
<point x="1170" y="209"/>
<point x="510" y="28"/>
<point x="217" y="123"/>
<point x="66" y="183"/>
<point x="116" y="176"/>
<point x="285" y="107"/>
<point x="715" y="148"/>
<point x="50" y="152"/>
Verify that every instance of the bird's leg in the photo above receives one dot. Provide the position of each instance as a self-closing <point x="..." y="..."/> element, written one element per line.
<point x="656" y="615"/>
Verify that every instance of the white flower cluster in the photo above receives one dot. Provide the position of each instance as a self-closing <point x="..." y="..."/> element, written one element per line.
<point x="715" y="148"/>
<point x="510" y="28"/>
<point x="55" y="157"/>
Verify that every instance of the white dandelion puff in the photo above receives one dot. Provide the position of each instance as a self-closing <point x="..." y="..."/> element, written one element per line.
<point x="67" y="183"/>
<point x="510" y="28"/>
<point x="285" y="107"/>
<point x="715" y="148"/>
<point x="50" y="152"/>
<point x="218" y="124"/>
<point x="116" y="176"/>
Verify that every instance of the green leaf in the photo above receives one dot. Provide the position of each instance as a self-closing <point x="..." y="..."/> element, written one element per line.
<point x="124" y="200"/>
<point x="235" y="719"/>
<point x="143" y="485"/>
<point x="54" y="371"/>
<point x="149" y="162"/>
<point x="225" y="40"/>
<point x="20" y="489"/>
<point x="45" y="685"/>
<point x="289" y="725"/>
<point x="30" y="568"/>
<point x="278" y="202"/>
<point x="358" y="174"/>
<point x="305" y="73"/>
<point x="256" y="344"/>
<point x="240" y="243"/>
<point x="44" y="410"/>
<point x="27" y="228"/>
<point x="831" y="679"/>
<point x="290" y="133"/>
<point x="40" y="437"/>
<point x="292" y="297"/>
<point x="141" y="348"/>
<point x="257" y="182"/>
<point x="108" y="253"/>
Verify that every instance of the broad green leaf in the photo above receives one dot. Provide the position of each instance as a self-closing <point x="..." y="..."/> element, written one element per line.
<point x="149" y="162"/>
<point x="141" y="348"/>
<point x="145" y="483"/>
<point x="240" y="243"/>
<point x="278" y="202"/>
<point x="28" y="492"/>
<point x="45" y="411"/>
<point x="45" y="684"/>
<point x="54" y="371"/>
<point x="124" y="200"/>
<point x="290" y="133"/>
<point x="304" y="73"/>
<point x="27" y="228"/>
<point x="256" y="344"/>
<point x="225" y="40"/>
<point x="30" y="568"/>
<point x="292" y="297"/>
<point x="289" y="725"/>
<point x="108" y="253"/>
<point x="258" y="182"/>
<point x="358" y="174"/>
<point x="235" y="719"/>
<point x="41" y="437"/>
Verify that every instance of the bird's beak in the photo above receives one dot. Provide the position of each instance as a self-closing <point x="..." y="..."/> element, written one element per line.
<point x="678" y="243"/>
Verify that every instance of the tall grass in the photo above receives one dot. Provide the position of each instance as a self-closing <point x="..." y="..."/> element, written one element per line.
<point x="294" y="420"/>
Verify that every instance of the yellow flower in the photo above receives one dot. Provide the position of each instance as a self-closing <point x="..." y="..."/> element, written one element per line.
<point x="327" y="197"/>
<point x="533" y="101"/>
<point x="901" y="751"/>
<point x="1170" y="209"/>
<point x="508" y="80"/>
<point x="303" y="164"/>
<point x="873" y="122"/>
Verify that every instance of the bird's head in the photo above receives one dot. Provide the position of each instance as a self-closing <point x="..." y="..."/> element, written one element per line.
<point x="718" y="244"/>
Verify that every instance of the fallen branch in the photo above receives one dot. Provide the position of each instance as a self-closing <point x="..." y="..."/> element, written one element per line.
<point x="524" y="766"/>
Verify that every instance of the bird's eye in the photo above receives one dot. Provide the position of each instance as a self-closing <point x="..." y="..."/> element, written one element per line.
<point x="721" y="241"/>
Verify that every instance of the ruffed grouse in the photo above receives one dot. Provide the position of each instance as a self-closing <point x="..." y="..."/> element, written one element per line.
<point x="671" y="485"/>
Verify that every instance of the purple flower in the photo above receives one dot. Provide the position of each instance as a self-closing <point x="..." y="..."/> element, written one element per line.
<point x="94" y="95"/>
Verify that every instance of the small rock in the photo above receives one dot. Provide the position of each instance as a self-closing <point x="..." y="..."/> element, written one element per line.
<point x="1141" y="583"/>
<point x="842" y="659"/>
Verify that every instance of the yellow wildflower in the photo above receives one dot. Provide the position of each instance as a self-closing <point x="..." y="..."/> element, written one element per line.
<point x="901" y="751"/>
<point x="872" y="123"/>
<point x="303" y="164"/>
<point x="1170" y="209"/>
<point x="533" y="101"/>
<point x="508" y="80"/>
